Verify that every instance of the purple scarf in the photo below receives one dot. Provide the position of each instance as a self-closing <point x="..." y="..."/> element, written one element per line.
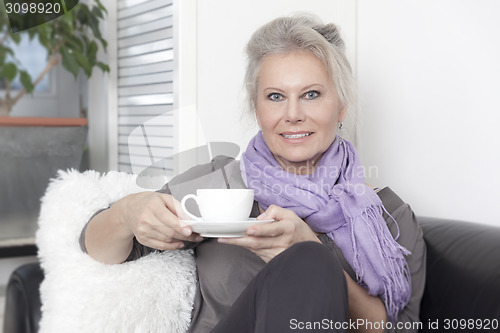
<point x="335" y="200"/>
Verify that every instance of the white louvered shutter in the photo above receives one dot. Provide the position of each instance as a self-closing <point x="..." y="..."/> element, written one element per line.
<point x="145" y="61"/>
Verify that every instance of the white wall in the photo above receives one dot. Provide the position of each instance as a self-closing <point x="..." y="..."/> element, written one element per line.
<point x="223" y="29"/>
<point x="429" y="80"/>
<point x="101" y="87"/>
<point x="429" y="76"/>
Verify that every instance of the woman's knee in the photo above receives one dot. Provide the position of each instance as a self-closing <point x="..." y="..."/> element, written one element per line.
<point x="312" y="259"/>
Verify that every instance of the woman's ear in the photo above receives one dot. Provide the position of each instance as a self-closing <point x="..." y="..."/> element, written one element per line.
<point x="257" y="118"/>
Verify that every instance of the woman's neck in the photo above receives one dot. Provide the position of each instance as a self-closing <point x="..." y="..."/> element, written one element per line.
<point x="299" y="168"/>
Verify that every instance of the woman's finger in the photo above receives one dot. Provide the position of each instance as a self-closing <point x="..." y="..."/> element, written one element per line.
<point x="271" y="229"/>
<point x="174" y="206"/>
<point x="275" y="212"/>
<point x="165" y="233"/>
<point x="177" y="232"/>
<point x="158" y="233"/>
<point x="168" y="221"/>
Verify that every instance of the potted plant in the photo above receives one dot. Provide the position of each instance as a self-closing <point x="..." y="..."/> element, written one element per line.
<point x="33" y="149"/>
<point x="72" y="39"/>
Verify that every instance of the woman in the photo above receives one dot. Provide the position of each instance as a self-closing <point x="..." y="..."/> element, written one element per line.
<point x="329" y="262"/>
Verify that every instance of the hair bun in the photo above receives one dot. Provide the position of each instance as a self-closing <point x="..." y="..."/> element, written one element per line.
<point x="332" y="34"/>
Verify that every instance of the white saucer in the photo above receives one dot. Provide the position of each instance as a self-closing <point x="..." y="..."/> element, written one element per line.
<point x="223" y="229"/>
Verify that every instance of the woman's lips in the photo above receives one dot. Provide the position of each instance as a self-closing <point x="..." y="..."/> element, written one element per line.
<point x="296" y="137"/>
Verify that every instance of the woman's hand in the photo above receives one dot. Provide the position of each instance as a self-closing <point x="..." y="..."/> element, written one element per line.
<point x="153" y="218"/>
<point x="270" y="239"/>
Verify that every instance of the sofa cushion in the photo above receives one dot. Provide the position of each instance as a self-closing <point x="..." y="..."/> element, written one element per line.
<point x="463" y="273"/>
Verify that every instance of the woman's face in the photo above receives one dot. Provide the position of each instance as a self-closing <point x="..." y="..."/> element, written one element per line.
<point x="297" y="109"/>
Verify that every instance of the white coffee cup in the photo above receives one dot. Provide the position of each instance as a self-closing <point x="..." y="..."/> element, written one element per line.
<point x="221" y="205"/>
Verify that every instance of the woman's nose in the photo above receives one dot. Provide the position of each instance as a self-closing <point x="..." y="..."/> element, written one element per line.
<point x="294" y="112"/>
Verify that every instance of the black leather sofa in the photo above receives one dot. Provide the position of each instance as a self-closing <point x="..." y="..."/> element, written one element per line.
<point x="462" y="291"/>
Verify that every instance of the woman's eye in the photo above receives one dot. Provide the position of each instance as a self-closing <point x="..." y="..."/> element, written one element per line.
<point x="275" y="97"/>
<point x="313" y="94"/>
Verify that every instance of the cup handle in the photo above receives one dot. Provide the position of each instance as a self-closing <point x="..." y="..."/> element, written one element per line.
<point x="183" y="205"/>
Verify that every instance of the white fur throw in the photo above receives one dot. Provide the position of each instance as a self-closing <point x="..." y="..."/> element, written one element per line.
<point x="79" y="294"/>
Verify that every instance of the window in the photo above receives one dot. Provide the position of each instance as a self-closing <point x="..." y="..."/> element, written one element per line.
<point x="33" y="58"/>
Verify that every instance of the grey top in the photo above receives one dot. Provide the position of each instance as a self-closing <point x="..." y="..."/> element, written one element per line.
<point x="225" y="270"/>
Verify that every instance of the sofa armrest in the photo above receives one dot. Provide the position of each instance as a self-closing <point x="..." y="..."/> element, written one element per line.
<point x="22" y="299"/>
<point x="463" y="271"/>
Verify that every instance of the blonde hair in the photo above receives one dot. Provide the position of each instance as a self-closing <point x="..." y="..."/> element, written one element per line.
<point x="300" y="32"/>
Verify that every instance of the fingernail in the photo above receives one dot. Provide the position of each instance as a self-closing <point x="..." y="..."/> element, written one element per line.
<point x="186" y="231"/>
<point x="222" y="240"/>
<point x="262" y="216"/>
<point x="199" y="239"/>
<point x="250" y="232"/>
<point x="181" y="245"/>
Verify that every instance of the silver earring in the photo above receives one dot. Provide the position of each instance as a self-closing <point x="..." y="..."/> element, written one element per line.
<point x="339" y="133"/>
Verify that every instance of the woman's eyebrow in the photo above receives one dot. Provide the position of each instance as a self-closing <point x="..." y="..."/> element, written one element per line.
<point x="274" y="89"/>
<point x="312" y="85"/>
<point x="302" y="89"/>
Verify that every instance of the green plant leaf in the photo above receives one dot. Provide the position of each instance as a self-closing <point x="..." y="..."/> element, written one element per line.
<point x="44" y="40"/>
<point x="83" y="62"/>
<point x="94" y="26"/>
<point x="100" y="5"/>
<point x="73" y="42"/>
<point x="5" y="49"/>
<point x="44" y="33"/>
<point x="83" y="15"/>
<point x="69" y="61"/>
<point x="66" y="22"/>
<point x="26" y="81"/>
<point x="9" y="71"/>
<point x="97" y="12"/>
<point x="92" y="53"/>
<point x="104" y="44"/>
<point x="102" y="66"/>
<point x="16" y="38"/>
<point x="86" y="40"/>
